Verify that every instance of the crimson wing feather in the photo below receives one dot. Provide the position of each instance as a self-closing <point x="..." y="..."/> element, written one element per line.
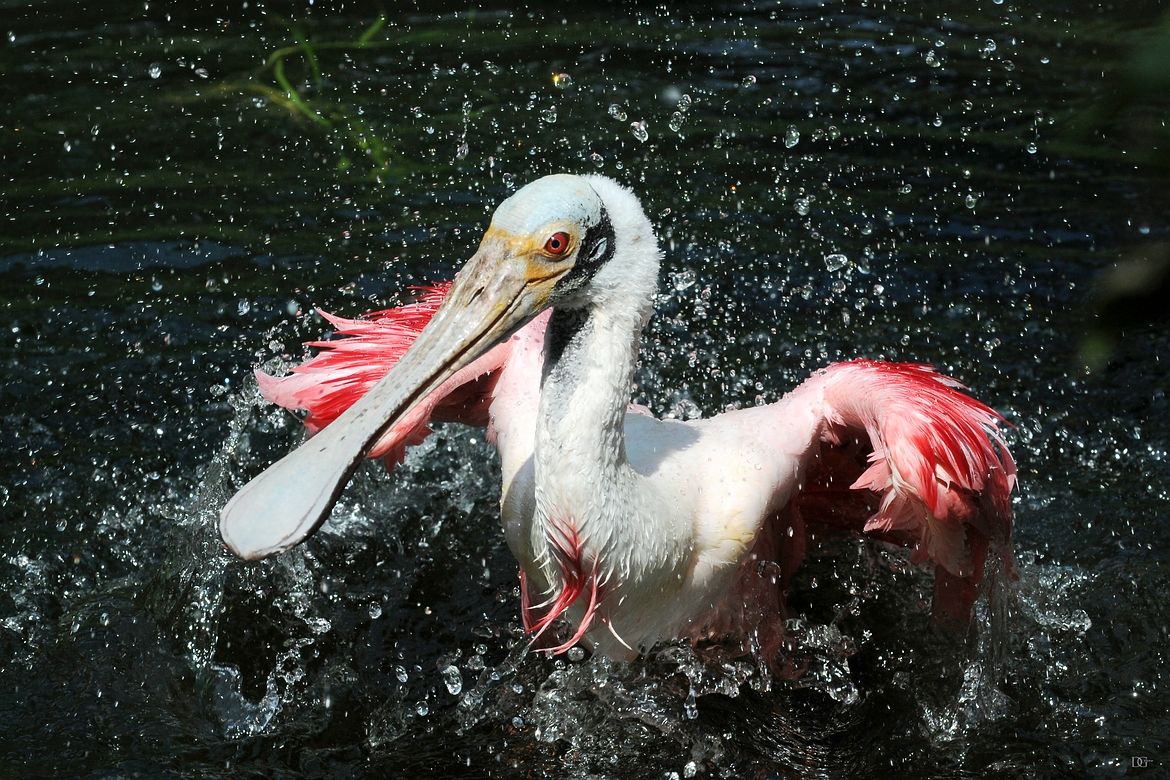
<point x="344" y="370"/>
<point x="909" y="458"/>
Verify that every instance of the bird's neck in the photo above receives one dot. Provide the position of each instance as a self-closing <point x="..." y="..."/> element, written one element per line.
<point x="590" y="357"/>
<point x="585" y="490"/>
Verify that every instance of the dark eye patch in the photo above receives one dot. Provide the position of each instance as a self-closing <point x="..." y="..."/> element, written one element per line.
<point x="597" y="247"/>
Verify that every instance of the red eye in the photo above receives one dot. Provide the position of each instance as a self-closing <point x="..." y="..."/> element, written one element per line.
<point x="557" y="244"/>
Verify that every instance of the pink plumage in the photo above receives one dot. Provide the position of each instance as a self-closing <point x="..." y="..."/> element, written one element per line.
<point x="580" y="578"/>
<point x="347" y="367"/>
<point x="897" y="452"/>
<point x="939" y="464"/>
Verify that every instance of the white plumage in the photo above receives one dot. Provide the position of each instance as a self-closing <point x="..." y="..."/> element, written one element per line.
<point x="636" y="529"/>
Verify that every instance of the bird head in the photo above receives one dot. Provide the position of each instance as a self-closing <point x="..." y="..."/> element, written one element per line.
<point x="552" y="243"/>
<point x="549" y="244"/>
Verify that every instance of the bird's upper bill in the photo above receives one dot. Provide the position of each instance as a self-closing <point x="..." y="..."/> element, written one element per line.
<point x="534" y="242"/>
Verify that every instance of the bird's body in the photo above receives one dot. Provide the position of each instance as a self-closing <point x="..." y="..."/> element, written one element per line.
<point x="637" y="529"/>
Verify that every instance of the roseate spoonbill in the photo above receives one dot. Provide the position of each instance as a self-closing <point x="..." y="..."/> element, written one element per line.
<point x="635" y="529"/>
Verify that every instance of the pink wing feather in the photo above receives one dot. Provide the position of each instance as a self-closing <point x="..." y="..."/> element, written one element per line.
<point x="939" y="467"/>
<point x="347" y="367"/>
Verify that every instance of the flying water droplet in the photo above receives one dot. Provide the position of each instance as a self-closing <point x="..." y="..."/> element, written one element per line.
<point x="400" y="673"/>
<point x="749" y="81"/>
<point x="691" y="705"/>
<point x="802" y="206"/>
<point x="1032" y="149"/>
<point x="676" y="121"/>
<point x="682" y="280"/>
<point x="640" y="131"/>
<point x="597" y="160"/>
<point x="684" y="103"/>
<point x="376" y="612"/>
<point x="576" y="654"/>
<point x="422" y="709"/>
<point x="155" y="70"/>
<point x="971" y="201"/>
<point x="616" y="112"/>
<point x="549" y="115"/>
<point x="562" y="80"/>
<point x="318" y="625"/>
<point x="836" y="261"/>
<point x="243" y="307"/>
<point x="462" y="151"/>
<point x="453" y="680"/>
<point x="791" y="136"/>
<point x="491" y="67"/>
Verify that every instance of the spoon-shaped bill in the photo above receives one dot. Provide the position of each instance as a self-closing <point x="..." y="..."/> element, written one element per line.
<point x="495" y="294"/>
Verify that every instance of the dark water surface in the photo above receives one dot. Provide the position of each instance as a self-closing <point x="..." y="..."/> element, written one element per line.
<point x="928" y="181"/>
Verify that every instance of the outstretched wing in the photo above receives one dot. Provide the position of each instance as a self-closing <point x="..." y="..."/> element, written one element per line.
<point x="891" y="450"/>
<point x="907" y="457"/>
<point x="362" y="352"/>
